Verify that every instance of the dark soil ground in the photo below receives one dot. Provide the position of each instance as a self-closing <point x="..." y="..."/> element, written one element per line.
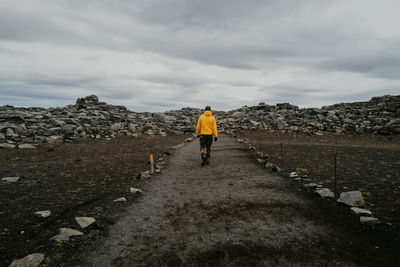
<point x="370" y="164"/>
<point x="232" y="213"/>
<point x="76" y="179"/>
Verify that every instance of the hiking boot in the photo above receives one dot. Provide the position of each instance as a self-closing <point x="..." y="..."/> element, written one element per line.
<point x="207" y="162"/>
<point x="203" y="163"/>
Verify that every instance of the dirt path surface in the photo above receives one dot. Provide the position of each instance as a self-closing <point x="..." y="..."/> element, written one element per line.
<point x="231" y="213"/>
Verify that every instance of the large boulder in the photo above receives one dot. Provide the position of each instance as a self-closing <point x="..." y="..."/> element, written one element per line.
<point x="352" y="198"/>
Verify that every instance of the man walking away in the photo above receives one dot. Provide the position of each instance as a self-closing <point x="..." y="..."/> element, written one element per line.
<point x="206" y="127"/>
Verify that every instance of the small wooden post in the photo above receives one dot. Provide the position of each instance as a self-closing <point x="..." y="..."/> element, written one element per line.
<point x="151" y="164"/>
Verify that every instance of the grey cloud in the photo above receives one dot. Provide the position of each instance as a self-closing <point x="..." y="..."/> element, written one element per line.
<point x="261" y="36"/>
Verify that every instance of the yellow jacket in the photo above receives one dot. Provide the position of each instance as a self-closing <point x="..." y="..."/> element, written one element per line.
<point x="207" y="124"/>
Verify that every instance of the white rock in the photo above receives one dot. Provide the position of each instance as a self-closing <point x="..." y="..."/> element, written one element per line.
<point x="358" y="211"/>
<point x="65" y="233"/>
<point x="121" y="199"/>
<point x="311" y="185"/>
<point x="42" y="214"/>
<point x="369" y="220"/>
<point x="11" y="179"/>
<point x="84" y="221"/>
<point x="31" y="260"/>
<point x="55" y="139"/>
<point x="260" y="160"/>
<point x="293" y="175"/>
<point x="159" y="166"/>
<point x="4" y="145"/>
<point x="352" y="198"/>
<point x="135" y="190"/>
<point x="325" y="192"/>
<point x="145" y="175"/>
<point x="23" y="146"/>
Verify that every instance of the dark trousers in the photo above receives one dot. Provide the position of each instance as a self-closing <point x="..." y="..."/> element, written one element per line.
<point x="205" y="147"/>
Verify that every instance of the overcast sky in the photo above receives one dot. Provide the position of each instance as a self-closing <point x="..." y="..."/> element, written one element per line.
<point x="162" y="55"/>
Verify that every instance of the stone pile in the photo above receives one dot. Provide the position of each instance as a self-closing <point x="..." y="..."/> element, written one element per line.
<point x="380" y="115"/>
<point x="90" y="118"/>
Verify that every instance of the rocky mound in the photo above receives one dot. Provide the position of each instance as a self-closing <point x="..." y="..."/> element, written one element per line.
<point x="89" y="118"/>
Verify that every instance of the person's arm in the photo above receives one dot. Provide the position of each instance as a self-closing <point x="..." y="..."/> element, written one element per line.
<point x="198" y="128"/>
<point x="215" y="129"/>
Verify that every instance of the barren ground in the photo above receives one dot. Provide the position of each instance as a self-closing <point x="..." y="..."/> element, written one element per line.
<point x="231" y="213"/>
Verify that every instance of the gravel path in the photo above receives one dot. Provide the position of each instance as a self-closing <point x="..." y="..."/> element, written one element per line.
<point x="232" y="212"/>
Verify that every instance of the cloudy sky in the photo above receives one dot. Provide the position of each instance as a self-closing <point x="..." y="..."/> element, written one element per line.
<point x="168" y="54"/>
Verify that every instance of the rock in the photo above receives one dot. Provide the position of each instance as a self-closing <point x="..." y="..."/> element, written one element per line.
<point x="7" y="145"/>
<point x="145" y="175"/>
<point x="325" y="193"/>
<point x="293" y="175"/>
<point x="352" y="198"/>
<point x="121" y="199"/>
<point x="42" y="214"/>
<point x="358" y="211"/>
<point x="311" y="185"/>
<point x="55" y="139"/>
<point x="23" y="146"/>
<point x="116" y="127"/>
<point x="84" y="221"/>
<point x="135" y="190"/>
<point x="276" y="169"/>
<point x="11" y="179"/>
<point x="65" y="233"/>
<point x="31" y="260"/>
<point x="369" y="220"/>
<point x="261" y="161"/>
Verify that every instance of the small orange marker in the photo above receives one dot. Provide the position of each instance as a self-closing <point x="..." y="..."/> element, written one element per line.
<point x="151" y="164"/>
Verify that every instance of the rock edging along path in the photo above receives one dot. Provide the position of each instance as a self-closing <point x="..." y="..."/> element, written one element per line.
<point x="232" y="212"/>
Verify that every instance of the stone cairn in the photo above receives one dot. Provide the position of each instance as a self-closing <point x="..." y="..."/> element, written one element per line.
<point x="89" y="118"/>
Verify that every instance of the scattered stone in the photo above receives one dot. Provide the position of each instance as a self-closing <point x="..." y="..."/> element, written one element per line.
<point x="135" y="190"/>
<point x="311" y="185"/>
<point x="352" y="198"/>
<point x="11" y="179"/>
<point x="23" y="146"/>
<point x="42" y="214"/>
<point x="31" y="260"/>
<point x="260" y="160"/>
<point x="369" y="220"/>
<point x="276" y="169"/>
<point x="360" y="212"/>
<point x="145" y="175"/>
<point x="325" y="193"/>
<point x="65" y="233"/>
<point x="84" y="221"/>
<point x="293" y="175"/>
<point x="4" y="145"/>
<point x="121" y="199"/>
<point x="55" y="139"/>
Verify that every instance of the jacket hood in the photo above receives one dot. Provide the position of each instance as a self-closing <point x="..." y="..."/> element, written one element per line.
<point x="208" y="113"/>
